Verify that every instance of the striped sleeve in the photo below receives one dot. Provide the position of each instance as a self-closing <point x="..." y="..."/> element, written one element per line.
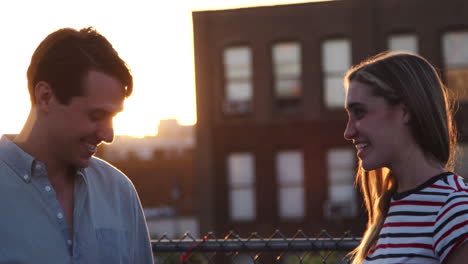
<point x="451" y="225"/>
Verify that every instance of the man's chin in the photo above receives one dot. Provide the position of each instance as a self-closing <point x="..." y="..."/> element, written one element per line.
<point x="83" y="163"/>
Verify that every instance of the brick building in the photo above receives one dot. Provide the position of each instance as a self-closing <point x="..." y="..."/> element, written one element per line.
<point x="162" y="169"/>
<point x="270" y="148"/>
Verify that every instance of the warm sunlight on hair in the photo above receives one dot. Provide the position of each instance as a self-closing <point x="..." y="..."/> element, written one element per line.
<point x="161" y="57"/>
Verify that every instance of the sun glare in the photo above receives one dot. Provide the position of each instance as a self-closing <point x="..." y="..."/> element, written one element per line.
<point x="155" y="40"/>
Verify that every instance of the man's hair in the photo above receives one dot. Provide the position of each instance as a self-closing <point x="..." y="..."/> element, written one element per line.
<point x="65" y="57"/>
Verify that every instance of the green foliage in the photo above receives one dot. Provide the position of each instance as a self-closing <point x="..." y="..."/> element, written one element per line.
<point x="322" y="257"/>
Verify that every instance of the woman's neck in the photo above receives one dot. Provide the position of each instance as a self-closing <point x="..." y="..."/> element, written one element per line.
<point x="413" y="168"/>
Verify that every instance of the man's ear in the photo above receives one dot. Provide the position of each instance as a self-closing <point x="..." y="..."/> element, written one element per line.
<point x="43" y="95"/>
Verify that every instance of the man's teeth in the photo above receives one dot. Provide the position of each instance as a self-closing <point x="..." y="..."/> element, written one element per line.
<point x="91" y="147"/>
<point x="361" y="146"/>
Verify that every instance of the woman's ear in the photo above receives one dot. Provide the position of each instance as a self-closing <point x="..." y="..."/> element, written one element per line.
<point x="406" y="114"/>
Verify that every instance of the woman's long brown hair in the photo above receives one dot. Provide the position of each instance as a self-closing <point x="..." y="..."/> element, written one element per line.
<point x="411" y="80"/>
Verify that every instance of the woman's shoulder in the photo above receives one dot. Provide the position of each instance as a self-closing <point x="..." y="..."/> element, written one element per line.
<point x="451" y="225"/>
<point x="435" y="188"/>
<point x="452" y="182"/>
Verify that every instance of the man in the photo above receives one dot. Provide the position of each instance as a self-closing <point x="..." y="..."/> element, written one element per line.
<point x="58" y="203"/>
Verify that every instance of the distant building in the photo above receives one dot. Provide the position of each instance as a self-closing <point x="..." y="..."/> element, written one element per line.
<point x="172" y="140"/>
<point x="162" y="170"/>
<point x="270" y="148"/>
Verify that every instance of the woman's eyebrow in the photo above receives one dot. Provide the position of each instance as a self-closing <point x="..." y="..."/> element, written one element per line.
<point x="353" y="105"/>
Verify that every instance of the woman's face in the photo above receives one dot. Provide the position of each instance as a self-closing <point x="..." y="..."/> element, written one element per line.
<point x="377" y="129"/>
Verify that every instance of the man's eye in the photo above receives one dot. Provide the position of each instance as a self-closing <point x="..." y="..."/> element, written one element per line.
<point x="96" y="117"/>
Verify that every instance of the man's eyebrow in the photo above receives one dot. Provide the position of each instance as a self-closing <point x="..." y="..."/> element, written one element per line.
<point x="106" y="112"/>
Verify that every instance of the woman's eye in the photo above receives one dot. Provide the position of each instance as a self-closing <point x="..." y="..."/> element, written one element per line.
<point x="358" y="113"/>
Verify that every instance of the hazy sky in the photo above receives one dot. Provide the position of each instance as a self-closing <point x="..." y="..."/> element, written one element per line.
<point x="153" y="37"/>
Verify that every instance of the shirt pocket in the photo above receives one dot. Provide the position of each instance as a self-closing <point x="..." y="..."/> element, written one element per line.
<point x="113" y="246"/>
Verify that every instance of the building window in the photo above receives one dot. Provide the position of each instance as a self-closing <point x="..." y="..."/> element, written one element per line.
<point x="287" y="74"/>
<point x="341" y="201"/>
<point x="461" y="165"/>
<point x="241" y="176"/>
<point x="238" y="90"/>
<point x="403" y="42"/>
<point x="290" y="179"/>
<point x="455" y="51"/>
<point x="336" y="59"/>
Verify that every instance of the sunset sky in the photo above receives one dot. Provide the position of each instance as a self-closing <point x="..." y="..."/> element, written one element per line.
<point x="153" y="37"/>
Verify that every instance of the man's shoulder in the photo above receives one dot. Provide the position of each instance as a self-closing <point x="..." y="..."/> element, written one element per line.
<point x="98" y="163"/>
<point x="101" y="170"/>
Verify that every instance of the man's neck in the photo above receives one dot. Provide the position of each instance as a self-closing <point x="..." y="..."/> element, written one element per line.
<point x="34" y="140"/>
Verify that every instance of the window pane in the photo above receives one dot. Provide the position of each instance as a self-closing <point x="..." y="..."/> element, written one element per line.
<point x="242" y="204"/>
<point x="341" y="200"/>
<point x="288" y="88"/>
<point x="288" y="52"/>
<point x="455" y="48"/>
<point x="241" y="168"/>
<point x="403" y="42"/>
<point x="343" y="158"/>
<point x="237" y="57"/>
<point x="461" y="166"/>
<point x="241" y="178"/>
<point x="336" y="55"/>
<point x="342" y="193"/>
<point x="290" y="167"/>
<point x="287" y="69"/>
<point x="238" y="73"/>
<point x="239" y="91"/>
<point x="290" y="174"/>
<point x="291" y="202"/>
<point x="336" y="59"/>
<point x="334" y="92"/>
<point x="341" y="176"/>
<point x="238" y="79"/>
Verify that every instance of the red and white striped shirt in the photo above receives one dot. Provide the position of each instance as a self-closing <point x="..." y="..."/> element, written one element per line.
<point x="425" y="224"/>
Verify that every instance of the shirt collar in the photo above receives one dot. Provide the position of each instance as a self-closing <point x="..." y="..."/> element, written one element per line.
<point x="15" y="158"/>
<point x="81" y="174"/>
<point x="21" y="162"/>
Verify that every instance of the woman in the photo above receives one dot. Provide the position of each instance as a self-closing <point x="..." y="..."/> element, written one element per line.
<point x="400" y="121"/>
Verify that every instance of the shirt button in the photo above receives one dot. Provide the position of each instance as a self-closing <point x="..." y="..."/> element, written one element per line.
<point x="47" y="188"/>
<point x="26" y="177"/>
<point x="69" y="242"/>
<point x="59" y="215"/>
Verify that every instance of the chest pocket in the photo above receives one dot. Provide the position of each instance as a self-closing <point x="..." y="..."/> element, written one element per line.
<point x="113" y="246"/>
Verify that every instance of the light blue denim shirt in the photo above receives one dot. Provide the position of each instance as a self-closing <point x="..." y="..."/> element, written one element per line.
<point x="109" y="225"/>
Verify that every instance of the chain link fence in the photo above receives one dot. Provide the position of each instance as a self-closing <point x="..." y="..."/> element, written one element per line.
<point x="254" y="249"/>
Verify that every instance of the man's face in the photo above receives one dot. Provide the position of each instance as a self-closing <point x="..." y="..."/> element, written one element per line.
<point x="77" y="128"/>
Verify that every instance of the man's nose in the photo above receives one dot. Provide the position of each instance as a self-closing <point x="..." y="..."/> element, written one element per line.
<point x="106" y="132"/>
